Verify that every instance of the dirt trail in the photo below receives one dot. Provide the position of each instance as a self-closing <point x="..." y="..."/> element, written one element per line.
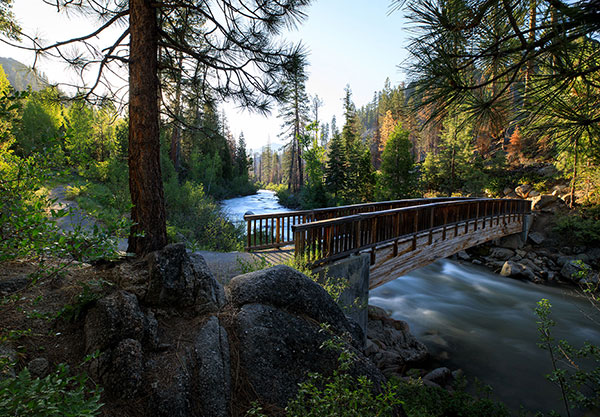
<point x="224" y="265"/>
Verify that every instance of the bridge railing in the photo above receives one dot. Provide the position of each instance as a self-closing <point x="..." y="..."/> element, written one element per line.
<point x="327" y="240"/>
<point x="273" y="230"/>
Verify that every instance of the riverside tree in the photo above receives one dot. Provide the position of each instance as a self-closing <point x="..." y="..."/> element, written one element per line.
<point x="294" y="114"/>
<point x="230" y="42"/>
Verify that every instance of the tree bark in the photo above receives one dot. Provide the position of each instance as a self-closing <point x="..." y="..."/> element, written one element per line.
<point x="145" y="180"/>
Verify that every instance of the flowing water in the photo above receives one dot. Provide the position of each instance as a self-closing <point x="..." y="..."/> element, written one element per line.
<point x="480" y="322"/>
<point x="484" y="324"/>
<point x="264" y="201"/>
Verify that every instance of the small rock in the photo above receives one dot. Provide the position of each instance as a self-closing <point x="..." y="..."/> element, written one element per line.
<point x="516" y="270"/>
<point x="377" y="313"/>
<point x="507" y="191"/>
<point x="463" y="256"/>
<point x="593" y="254"/>
<point x="523" y="190"/>
<point x="592" y="279"/>
<point x="440" y="376"/>
<point x="371" y="348"/>
<point x="536" y="238"/>
<point x="533" y="193"/>
<point x="39" y="367"/>
<point x="10" y="285"/>
<point x="571" y="269"/>
<point x="501" y="253"/>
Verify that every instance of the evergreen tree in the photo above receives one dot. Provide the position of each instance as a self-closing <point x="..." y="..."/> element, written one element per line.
<point x="294" y="113"/>
<point x="241" y="158"/>
<point x="397" y="178"/>
<point x="359" y="174"/>
<point x="336" y="167"/>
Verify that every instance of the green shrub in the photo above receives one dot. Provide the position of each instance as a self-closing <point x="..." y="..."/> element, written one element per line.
<point x="195" y="216"/>
<point x="341" y="394"/>
<point x="56" y="395"/>
<point x="572" y="372"/>
<point x="424" y="401"/>
<point x="582" y="228"/>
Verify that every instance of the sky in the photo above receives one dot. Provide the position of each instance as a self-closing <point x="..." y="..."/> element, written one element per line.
<point x="350" y="42"/>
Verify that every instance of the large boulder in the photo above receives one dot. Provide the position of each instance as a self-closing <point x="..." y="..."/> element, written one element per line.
<point x="543" y="201"/>
<point x="281" y="321"/>
<point x="212" y="370"/>
<point x="392" y="346"/>
<point x="284" y="287"/>
<point x="510" y="242"/>
<point x="277" y="351"/>
<point x="115" y="317"/>
<point x="574" y="270"/>
<point x="179" y="279"/>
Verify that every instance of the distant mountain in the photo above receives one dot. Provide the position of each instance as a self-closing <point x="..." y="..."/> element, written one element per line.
<point x="20" y="75"/>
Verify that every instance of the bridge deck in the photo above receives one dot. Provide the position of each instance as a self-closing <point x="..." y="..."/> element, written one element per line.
<point x="399" y="239"/>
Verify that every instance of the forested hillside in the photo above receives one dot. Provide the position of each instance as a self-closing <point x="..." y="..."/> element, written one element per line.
<point x="21" y="76"/>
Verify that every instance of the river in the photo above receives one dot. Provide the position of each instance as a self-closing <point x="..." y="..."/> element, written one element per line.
<point x="475" y="320"/>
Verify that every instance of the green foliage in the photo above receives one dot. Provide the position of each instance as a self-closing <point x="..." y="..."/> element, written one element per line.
<point x="341" y="394"/>
<point x="425" y="401"/>
<point x="313" y="195"/>
<point x="90" y="292"/>
<point x="252" y="265"/>
<point x="582" y="228"/>
<point x="335" y="171"/>
<point x="397" y="178"/>
<point x="41" y="123"/>
<point x="456" y="166"/>
<point x="193" y="215"/>
<point x="579" y="383"/>
<point x="56" y="395"/>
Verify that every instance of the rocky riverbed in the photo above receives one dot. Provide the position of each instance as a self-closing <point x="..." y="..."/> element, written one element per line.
<point x="543" y="258"/>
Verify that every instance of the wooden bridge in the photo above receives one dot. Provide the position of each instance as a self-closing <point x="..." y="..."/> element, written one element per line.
<point x="400" y="236"/>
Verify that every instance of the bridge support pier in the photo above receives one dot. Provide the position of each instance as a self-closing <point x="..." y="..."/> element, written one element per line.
<point x="354" y="300"/>
<point x="527" y="222"/>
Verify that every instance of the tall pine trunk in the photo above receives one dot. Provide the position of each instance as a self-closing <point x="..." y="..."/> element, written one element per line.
<point x="145" y="181"/>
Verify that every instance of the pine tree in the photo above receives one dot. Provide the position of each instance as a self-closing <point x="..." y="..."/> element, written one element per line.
<point x="336" y="167"/>
<point x="397" y="177"/>
<point x="359" y="174"/>
<point x="241" y="157"/>
<point x="294" y="113"/>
